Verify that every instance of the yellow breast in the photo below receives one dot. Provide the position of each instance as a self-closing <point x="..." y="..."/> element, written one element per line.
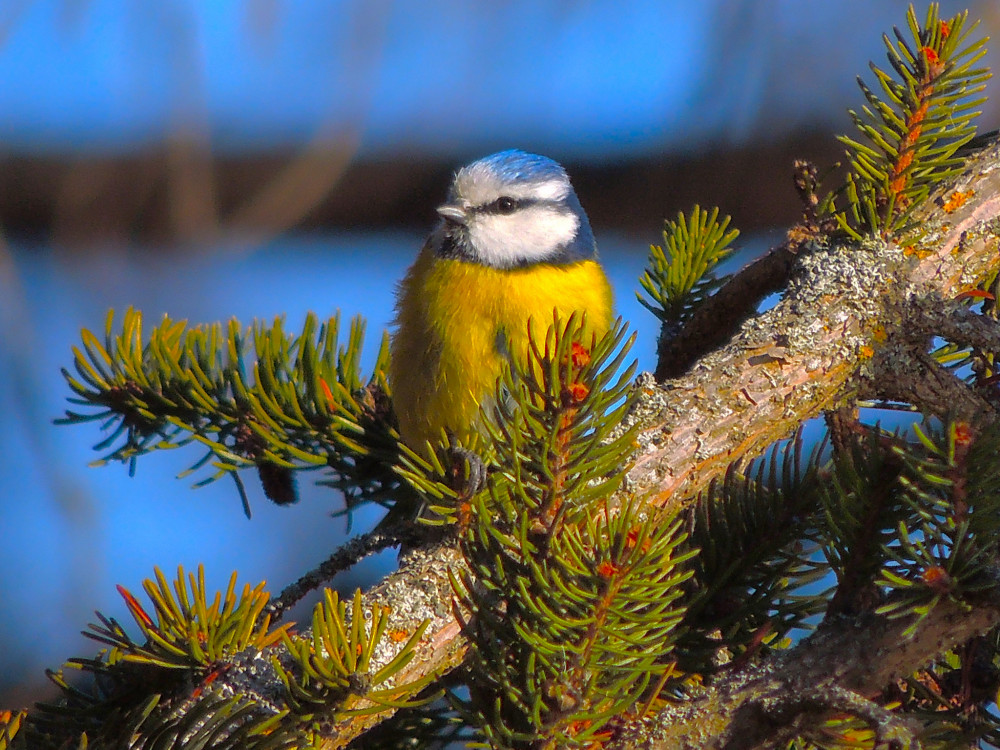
<point x="454" y="319"/>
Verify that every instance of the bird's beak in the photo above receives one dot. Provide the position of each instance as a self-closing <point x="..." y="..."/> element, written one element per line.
<point x="454" y="213"/>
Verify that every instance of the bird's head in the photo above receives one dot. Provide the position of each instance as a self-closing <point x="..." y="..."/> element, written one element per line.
<point x="513" y="209"/>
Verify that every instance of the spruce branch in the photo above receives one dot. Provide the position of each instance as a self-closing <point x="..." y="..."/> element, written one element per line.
<point x="340" y="672"/>
<point x="802" y="359"/>
<point x="11" y="723"/>
<point x="815" y="348"/>
<point x="953" y="697"/>
<point x="859" y="722"/>
<point x="189" y="630"/>
<point x="971" y="339"/>
<point x="808" y="353"/>
<point x="909" y="140"/>
<point x="571" y="607"/>
<point x="862" y="511"/>
<point x="911" y="128"/>
<point x="163" y="691"/>
<point x="839" y="653"/>
<point x="435" y="726"/>
<point x="717" y="317"/>
<point x="957" y="322"/>
<point x="679" y="276"/>
<point x="254" y="397"/>
<point x="949" y="547"/>
<point x="172" y="687"/>
<point x="754" y="532"/>
<point x="679" y="273"/>
<point x="440" y="477"/>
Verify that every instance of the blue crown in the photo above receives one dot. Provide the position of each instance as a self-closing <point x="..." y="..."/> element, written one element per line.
<point x="514" y="165"/>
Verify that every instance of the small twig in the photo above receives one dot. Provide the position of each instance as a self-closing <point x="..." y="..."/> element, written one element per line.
<point x="806" y="183"/>
<point x="844" y="428"/>
<point x="349" y="554"/>
<point x="791" y="714"/>
<point x="956" y="322"/>
<point x="915" y="377"/>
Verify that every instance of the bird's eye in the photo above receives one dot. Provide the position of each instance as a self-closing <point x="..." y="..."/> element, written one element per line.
<point x="505" y="205"/>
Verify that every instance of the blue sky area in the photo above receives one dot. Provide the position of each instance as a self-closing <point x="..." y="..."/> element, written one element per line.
<point x="592" y="79"/>
<point x="576" y="80"/>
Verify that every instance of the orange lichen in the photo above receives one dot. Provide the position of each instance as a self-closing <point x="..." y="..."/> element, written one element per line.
<point x="398" y="635"/>
<point x="915" y="251"/>
<point x="956" y="200"/>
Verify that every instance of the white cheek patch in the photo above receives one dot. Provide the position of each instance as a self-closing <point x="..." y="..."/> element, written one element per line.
<point x="531" y="234"/>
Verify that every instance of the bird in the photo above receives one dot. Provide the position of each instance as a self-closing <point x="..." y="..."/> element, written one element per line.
<point x="513" y="249"/>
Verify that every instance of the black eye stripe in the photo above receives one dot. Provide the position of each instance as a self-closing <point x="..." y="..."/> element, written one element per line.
<point x="507" y="205"/>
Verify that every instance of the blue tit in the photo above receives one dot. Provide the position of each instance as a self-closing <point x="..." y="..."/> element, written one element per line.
<point x="513" y="248"/>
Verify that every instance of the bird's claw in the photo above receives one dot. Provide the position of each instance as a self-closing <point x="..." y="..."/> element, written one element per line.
<point x="468" y="471"/>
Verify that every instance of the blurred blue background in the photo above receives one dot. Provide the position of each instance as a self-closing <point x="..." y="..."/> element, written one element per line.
<point x="217" y="159"/>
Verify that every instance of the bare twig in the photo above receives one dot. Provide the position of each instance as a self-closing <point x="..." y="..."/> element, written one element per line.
<point x="346" y="556"/>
